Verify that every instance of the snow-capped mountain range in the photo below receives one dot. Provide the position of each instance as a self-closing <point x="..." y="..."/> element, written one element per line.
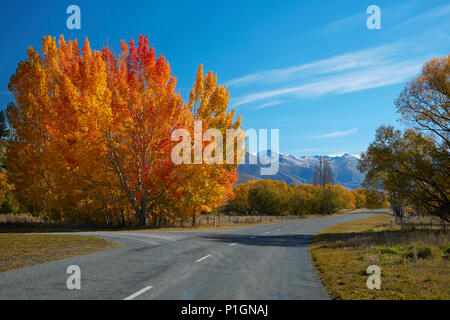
<point x="301" y="169"/>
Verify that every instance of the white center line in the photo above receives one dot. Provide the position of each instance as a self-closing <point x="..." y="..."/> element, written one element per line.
<point x="266" y="232"/>
<point x="134" y="295"/>
<point x="252" y="237"/>
<point x="233" y="244"/>
<point x="201" y="259"/>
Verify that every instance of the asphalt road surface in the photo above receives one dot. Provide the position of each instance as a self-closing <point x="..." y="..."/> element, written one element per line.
<point x="268" y="261"/>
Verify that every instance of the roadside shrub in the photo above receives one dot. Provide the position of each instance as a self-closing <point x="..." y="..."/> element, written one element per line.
<point x="423" y="252"/>
<point x="274" y="197"/>
<point x="446" y="252"/>
<point x="389" y="250"/>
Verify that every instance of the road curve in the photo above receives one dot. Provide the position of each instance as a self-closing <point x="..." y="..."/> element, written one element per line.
<point x="269" y="261"/>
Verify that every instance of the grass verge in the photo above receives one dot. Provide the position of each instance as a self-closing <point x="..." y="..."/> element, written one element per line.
<point x="415" y="264"/>
<point x="21" y="250"/>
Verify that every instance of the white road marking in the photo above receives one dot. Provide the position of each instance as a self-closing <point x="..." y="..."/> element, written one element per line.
<point x="252" y="237"/>
<point x="266" y="232"/>
<point x="201" y="259"/>
<point x="134" y="295"/>
<point x="233" y="244"/>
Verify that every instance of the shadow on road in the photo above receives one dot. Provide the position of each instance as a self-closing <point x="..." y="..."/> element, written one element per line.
<point x="298" y="240"/>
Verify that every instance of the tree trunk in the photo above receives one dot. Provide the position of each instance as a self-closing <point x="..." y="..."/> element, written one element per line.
<point x="122" y="213"/>
<point x="142" y="220"/>
<point x="142" y="216"/>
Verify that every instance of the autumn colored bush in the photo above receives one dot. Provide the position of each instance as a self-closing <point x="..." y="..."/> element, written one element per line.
<point x="91" y="136"/>
<point x="8" y="202"/>
<point x="277" y="198"/>
<point x="360" y="197"/>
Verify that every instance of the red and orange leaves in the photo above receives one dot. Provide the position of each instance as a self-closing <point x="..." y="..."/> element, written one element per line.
<point x="92" y="133"/>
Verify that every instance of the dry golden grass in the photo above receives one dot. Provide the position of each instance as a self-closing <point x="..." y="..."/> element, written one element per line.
<point x="415" y="264"/>
<point x="21" y="250"/>
<point x="20" y="218"/>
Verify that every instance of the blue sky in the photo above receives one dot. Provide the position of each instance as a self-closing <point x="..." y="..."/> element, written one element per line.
<point x="309" y="68"/>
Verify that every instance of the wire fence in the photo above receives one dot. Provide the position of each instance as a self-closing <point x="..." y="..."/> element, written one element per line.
<point x="420" y="222"/>
<point x="224" y="220"/>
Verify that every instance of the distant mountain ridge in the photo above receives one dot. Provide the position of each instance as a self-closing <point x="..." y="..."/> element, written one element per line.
<point x="301" y="170"/>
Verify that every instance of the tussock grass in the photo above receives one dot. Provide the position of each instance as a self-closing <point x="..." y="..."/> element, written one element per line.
<point x="21" y="250"/>
<point x="414" y="263"/>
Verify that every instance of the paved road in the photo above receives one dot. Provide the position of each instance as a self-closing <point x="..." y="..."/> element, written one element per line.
<point x="257" y="262"/>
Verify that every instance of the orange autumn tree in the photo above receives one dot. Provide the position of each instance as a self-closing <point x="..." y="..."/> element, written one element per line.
<point x="145" y="111"/>
<point x="62" y="102"/>
<point x="91" y="136"/>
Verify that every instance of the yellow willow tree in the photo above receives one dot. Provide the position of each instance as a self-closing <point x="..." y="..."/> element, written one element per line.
<point x="210" y="179"/>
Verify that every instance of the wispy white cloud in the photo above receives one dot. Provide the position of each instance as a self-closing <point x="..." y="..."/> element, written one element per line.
<point x="372" y="76"/>
<point x="380" y="66"/>
<point x="430" y="15"/>
<point x="395" y="12"/>
<point x="358" y="59"/>
<point x="335" y="134"/>
<point x="268" y="104"/>
<point x="344" y="23"/>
